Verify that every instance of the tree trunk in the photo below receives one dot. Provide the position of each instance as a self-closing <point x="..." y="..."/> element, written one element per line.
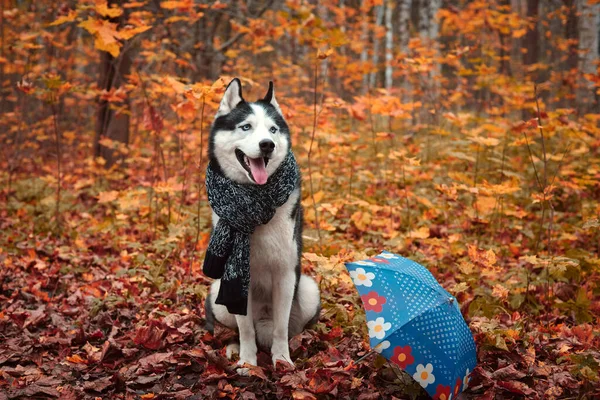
<point x="364" y="36"/>
<point x="434" y="30"/>
<point x="571" y="32"/>
<point x="109" y="123"/>
<point x="389" y="10"/>
<point x="532" y="35"/>
<point x="403" y="20"/>
<point x="434" y="27"/>
<point x="379" y="12"/>
<point x="505" y="41"/>
<point x="588" y="48"/>
<point x="403" y="39"/>
<point x="423" y="7"/>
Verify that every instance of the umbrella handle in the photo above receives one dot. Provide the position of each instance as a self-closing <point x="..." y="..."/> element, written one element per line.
<point x="365" y="356"/>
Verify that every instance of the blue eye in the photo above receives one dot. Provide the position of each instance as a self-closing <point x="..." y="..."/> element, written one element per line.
<point x="273" y="129"/>
<point x="246" y="127"/>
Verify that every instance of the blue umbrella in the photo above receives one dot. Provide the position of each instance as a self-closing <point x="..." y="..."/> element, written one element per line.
<point x="415" y="323"/>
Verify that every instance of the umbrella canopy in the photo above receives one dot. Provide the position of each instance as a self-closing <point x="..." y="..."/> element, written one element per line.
<point x="415" y="323"/>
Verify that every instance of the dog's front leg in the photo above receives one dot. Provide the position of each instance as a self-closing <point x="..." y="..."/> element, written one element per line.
<point x="247" y="334"/>
<point x="283" y="293"/>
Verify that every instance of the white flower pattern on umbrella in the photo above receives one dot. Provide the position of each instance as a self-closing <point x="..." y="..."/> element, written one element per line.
<point x="378" y="328"/>
<point x="466" y="379"/>
<point x="367" y="263"/>
<point x="387" y="256"/>
<point x="424" y="375"/>
<point x="361" y="277"/>
<point x="382" y="346"/>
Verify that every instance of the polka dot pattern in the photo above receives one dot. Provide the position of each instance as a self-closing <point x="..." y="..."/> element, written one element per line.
<point x="422" y="315"/>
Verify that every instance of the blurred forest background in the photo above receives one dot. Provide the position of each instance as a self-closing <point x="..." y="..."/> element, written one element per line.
<point x="462" y="134"/>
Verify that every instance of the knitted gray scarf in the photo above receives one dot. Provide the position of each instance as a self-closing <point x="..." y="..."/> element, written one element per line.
<point x="241" y="208"/>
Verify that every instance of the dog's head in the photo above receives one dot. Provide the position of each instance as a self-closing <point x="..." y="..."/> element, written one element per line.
<point x="248" y="141"/>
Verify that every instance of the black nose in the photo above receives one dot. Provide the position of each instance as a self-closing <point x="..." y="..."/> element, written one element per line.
<point x="266" y="146"/>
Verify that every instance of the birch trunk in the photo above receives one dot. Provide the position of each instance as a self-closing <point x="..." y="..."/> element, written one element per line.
<point x="363" y="55"/>
<point x="588" y="49"/>
<point x="403" y="39"/>
<point x="434" y="30"/>
<point x="379" y="12"/>
<point x="423" y="19"/>
<point x="388" y="44"/>
<point x="403" y="18"/>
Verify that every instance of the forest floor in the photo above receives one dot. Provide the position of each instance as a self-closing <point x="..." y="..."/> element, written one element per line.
<point x="106" y="301"/>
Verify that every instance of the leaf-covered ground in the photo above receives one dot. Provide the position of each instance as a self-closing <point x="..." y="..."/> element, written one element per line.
<point x="106" y="301"/>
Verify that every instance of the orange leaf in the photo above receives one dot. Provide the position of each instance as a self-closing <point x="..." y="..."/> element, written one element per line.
<point x="170" y="5"/>
<point x="76" y="359"/>
<point x="105" y="34"/>
<point x="127" y="32"/>
<point x="107" y="197"/>
<point x="65" y="18"/>
<point x="324" y="55"/>
<point x="112" y="12"/>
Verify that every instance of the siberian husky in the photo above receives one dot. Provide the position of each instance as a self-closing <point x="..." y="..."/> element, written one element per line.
<point x="248" y="141"/>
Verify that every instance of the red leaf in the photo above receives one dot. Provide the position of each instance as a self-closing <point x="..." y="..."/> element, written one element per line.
<point x="518" y="388"/>
<point x="302" y="395"/>
<point x="150" y="337"/>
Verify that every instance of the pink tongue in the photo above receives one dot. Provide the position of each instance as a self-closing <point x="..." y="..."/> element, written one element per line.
<point x="259" y="173"/>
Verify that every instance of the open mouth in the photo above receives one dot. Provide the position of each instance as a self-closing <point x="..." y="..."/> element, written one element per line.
<point x="256" y="167"/>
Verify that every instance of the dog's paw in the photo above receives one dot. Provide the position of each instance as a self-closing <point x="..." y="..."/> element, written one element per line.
<point x="232" y="349"/>
<point x="281" y="352"/>
<point x="284" y="362"/>
<point x="282" y="365"/>
<point x="245" y="366"/>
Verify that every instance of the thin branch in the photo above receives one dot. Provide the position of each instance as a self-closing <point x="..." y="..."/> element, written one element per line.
<point x="199" y="186"/>
<point x="58" y="162"/>
<point x="312" y="139"/>
<point x="537" y="178"/>
<point x="542" y="135"/>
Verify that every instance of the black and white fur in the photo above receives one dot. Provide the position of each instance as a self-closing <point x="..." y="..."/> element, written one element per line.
<point x="281" y="301"/>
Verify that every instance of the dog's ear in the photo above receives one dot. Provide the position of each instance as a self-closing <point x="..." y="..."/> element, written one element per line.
<point x="231" y="98"/>
<point x="270" y="97"/>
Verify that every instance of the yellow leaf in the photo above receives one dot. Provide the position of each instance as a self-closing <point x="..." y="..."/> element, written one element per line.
<point x="113" y="48"/>
<point x="135" y="4"/>
<point x="105" y="35"/>
<point x="485" y="204"/>
<point x="170" y="5"/>
<point x="361" y="220"/>
<point x="65" y="18"/>
<point x="459" y="287"/>
<point x="517" y="33"/>
<point x="175" y="84"/>
<point x="112" y="12"/>
<point x="127" y="33"/>
<point x="318" y="196"/>
<point x="323" y="55"/>
<point x="90" y="25"/>
<point x="466" y="267"/>
<point x="489" y="141"/>
<point x="107" y="197"/>
<point x="265" y="49"/>
<point x="500" y="292"/>
<point x="421" y="233"/>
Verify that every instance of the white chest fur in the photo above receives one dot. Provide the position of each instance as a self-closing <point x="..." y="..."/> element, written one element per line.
<point x="272" y="246"/>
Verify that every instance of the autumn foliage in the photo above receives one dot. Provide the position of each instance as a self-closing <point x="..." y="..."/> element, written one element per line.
<point x="464" y="136"/>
